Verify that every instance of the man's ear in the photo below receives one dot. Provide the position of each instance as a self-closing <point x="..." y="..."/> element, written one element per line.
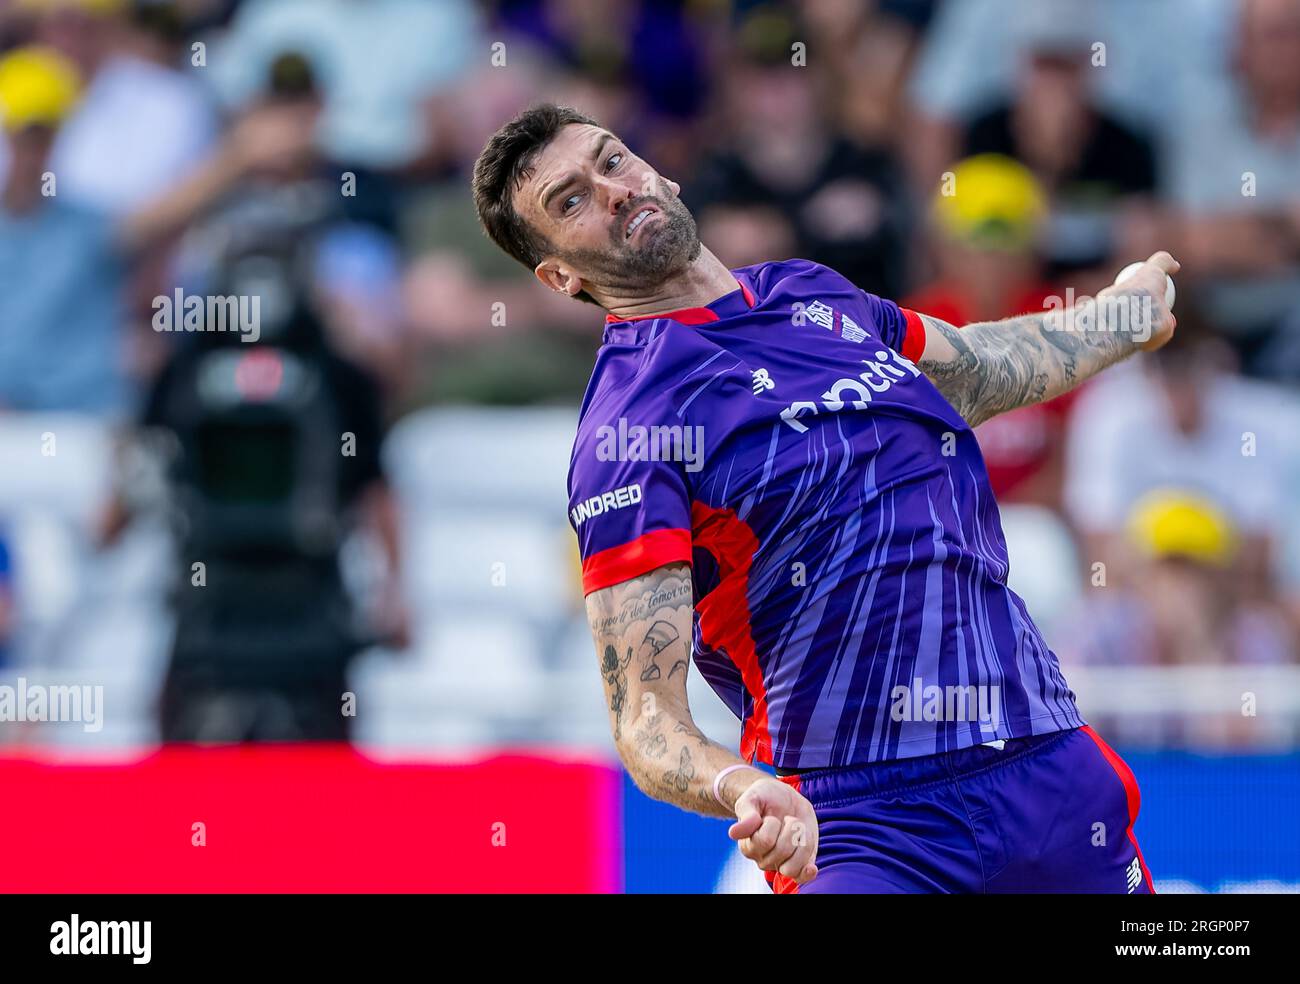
<point x="677" y="189"/>
<point x="556" y="276"/>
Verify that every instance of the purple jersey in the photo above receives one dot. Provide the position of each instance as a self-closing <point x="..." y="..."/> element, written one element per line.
<point x="849" y="568"/>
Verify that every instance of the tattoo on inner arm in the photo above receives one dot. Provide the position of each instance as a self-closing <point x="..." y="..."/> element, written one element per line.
<point x="614" y="670"/>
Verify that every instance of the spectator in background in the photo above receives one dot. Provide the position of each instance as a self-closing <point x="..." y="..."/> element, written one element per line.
<point x="60" y="271"/>
<point x="341" y="234"/>
<point x="973" y="51"/>
<point x="871" y="53"/>
<point x="781" y="160"/>
<point x="1185" y="603"/>
<point x="141" y="124"/>
<point x="985" y="236"/>
<point x="62" y="264"/>
<point x="1185" y="600"/>
<point x="380" y="61"/>
<point x="1098" y="174"/>
<point x="1182" y="420"/>
<point x="1236" y="169"/>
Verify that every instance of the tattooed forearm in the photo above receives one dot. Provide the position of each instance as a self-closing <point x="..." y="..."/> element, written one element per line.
<point x="995" y="366"/>
<point x="642" y="631"/>
<point x="679" y="768"/>
<point x="650" y="741"/>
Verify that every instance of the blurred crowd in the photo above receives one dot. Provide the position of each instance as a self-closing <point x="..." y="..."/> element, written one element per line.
<point x="973" y="159"/>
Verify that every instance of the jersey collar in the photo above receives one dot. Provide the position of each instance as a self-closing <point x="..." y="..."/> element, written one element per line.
<point x="737" y="302"/>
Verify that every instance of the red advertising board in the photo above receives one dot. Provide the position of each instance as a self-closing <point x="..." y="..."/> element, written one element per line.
<point x="308" y="818"/>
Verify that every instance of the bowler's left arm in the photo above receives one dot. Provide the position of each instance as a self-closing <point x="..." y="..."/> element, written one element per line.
<point x="990" y="367"/>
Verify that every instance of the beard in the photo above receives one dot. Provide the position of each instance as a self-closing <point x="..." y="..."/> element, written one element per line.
<point x="665" y="248"/>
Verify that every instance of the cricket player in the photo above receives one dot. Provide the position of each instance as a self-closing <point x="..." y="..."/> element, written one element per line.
<point x="775" y="474"/>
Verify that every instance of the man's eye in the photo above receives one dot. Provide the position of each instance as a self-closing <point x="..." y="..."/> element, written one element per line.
<point x="613" y="161"/>
<point x="568" y="203"/>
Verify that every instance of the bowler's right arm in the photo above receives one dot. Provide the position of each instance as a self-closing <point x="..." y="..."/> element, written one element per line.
<point x="642" y="631"/>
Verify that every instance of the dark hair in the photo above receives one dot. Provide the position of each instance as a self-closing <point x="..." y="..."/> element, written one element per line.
<point x="507" y="160"/>
<point x="291" y="77"/>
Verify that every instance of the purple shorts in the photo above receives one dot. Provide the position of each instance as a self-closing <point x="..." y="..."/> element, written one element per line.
<point x="1049" y="813"/>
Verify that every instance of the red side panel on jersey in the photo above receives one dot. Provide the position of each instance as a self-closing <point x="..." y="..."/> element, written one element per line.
<point x="724" y="614"/>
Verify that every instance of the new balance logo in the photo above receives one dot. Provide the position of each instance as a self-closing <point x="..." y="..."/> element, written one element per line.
<point x="762" y="381"/>
<point x="1134" y="875"/>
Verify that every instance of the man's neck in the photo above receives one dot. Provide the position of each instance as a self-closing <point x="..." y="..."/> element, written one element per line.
<point x="703" y="281"/>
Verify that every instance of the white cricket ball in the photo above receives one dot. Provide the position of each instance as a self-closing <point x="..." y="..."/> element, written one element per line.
<point x="1133" y="268"/>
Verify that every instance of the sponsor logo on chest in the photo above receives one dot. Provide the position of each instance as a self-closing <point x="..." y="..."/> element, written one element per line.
<point x="879" y="375"/>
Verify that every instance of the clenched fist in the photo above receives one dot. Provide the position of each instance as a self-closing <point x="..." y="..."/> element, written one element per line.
<point x="777" y="829"/>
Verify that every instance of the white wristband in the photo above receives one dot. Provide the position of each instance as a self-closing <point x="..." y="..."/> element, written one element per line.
<point x="717" y="782"/>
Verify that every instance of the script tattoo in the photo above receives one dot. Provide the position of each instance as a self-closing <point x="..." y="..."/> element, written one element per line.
<point x="675" y="592"/>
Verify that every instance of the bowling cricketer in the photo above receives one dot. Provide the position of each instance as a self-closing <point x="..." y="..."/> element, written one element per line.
<point x="775" y="475"/>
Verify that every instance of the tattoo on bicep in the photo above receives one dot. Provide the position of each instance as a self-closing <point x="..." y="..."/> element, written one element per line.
<point x="989" y="374"/>
<point x="658" y="637"/>
<point x="617" y="617"/>
<point x="675" y="591"/>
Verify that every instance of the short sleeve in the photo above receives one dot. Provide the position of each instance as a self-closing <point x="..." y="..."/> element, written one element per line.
<point x="628" y="501"/>
<point x="900" y="328"/>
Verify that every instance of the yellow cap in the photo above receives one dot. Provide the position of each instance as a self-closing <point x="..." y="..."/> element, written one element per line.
<point x="1172" y="523"/>
<point x="990" y="200"/>
<point x="37" y="86"/>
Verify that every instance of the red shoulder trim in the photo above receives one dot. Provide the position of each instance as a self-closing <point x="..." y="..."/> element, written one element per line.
<point x="914" y="340"/>
<point x="640" y="556"/>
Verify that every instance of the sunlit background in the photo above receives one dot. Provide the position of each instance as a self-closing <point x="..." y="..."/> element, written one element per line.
<point x="1153" y="516"/>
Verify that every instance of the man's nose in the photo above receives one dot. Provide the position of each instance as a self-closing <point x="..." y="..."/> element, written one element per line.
<point x="616" y="194"/>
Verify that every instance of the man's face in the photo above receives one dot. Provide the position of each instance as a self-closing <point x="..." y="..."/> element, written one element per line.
<point x="610" y="223"/>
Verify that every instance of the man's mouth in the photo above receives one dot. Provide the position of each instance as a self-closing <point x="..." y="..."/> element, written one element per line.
<point x="637" y="219"/>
